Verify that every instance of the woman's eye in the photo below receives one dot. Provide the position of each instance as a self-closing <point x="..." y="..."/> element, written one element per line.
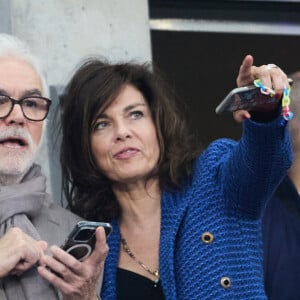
<point x="136" y="114"/>
<point x="100" y="125"/>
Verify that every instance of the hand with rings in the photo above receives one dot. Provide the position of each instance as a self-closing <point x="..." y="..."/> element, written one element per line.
<point x="270" y="75"/>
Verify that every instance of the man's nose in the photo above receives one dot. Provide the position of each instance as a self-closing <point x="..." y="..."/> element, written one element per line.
<point x="16" y="116"/>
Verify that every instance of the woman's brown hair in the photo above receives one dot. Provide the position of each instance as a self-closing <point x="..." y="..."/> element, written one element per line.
<point x="94" y="86"/>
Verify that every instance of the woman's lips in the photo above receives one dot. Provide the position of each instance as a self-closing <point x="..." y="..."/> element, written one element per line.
<point x="126" y="153"/>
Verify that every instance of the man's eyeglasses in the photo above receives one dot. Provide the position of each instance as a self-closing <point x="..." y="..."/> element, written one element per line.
<point x="34" y="108"/>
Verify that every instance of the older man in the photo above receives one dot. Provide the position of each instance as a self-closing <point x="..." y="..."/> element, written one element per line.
<point x="29" y="220"/>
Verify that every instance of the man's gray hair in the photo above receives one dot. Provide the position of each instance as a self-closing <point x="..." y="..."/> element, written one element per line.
<point x="10" y="45"/>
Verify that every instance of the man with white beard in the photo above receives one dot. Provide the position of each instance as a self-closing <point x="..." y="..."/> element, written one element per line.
<point x="29" y="220"/>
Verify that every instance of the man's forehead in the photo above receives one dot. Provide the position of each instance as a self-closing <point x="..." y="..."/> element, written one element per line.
<point x="18" y="77"/>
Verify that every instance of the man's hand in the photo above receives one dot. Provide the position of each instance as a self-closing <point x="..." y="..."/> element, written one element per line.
<point x="79" y="280"/>
<point x="19" y="252"/>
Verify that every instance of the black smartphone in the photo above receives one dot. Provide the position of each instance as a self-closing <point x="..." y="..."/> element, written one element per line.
<point x="248" y="98"/>
<point x="81" y="241"/>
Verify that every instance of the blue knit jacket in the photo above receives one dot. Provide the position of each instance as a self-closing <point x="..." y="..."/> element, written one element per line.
<point x="210" y="242"/>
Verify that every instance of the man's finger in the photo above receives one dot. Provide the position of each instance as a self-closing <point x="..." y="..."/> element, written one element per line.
<point x="101" y="248"/>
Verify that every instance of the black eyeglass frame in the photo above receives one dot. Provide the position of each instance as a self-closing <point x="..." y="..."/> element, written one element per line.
<point x="14" y="101"/>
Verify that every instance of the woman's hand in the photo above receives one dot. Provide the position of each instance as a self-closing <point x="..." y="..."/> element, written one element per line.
<point x="270" y="76"/>
<point x="79" y="280"/>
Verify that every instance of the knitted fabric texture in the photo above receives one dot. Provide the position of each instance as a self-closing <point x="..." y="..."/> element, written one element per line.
<point x="231" y="184"/>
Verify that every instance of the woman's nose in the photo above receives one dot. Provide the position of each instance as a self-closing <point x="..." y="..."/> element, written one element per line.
<point x="122" y="131"/>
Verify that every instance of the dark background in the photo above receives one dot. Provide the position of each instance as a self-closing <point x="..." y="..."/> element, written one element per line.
<point x="203" y="66"/>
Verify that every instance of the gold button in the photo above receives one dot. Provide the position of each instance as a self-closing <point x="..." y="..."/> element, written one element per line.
<point x="225" y="282"/>
<point x="207" y="237"/>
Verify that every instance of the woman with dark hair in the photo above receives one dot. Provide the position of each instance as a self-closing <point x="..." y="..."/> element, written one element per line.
<point x="186" y="226"/>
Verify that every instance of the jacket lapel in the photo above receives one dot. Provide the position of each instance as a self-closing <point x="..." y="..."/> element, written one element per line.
<point x="173" y="210"/>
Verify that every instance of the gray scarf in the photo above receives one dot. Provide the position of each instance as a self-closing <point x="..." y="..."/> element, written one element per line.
<point x="19" y="204"/>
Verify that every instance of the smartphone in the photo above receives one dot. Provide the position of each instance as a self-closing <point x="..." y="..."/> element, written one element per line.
<point x="248" y="98"/>
<point x="81" y="241"/>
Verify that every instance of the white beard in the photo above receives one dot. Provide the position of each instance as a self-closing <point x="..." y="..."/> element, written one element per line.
<point x="15" y="162"/>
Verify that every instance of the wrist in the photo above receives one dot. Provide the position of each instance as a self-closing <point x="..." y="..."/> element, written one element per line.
<point x="266" y="116"/>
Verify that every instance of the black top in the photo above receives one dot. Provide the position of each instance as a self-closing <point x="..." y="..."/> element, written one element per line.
<point x="133" y="286"/>
<point x="281" y="233"/>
